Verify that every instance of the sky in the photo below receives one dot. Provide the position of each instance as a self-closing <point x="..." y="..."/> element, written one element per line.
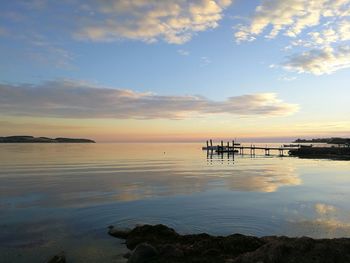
<point x="148" y="70"/>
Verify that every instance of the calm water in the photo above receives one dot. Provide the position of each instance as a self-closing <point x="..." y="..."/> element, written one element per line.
<point x="56" y="197"/>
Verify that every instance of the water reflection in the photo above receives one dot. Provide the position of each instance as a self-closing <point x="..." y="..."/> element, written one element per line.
<point x="319" y="220"/>
<point x="265" y="180"/>
<point x="211" y="155"/>
<point x="57" y="183"/>
<point x="54" y="196"/>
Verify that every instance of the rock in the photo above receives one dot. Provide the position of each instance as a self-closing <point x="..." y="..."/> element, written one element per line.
<point x="60" y="258"/>
<point x="150" y="234"/>
<point x="171" y="251"/>
<point x="143" y="253"/>
<point x="156" y="244"/>
<point x="212" y="252"/>
<point x="237" y="244"/>
<point x="301" y="250"/>
<point x="119" y="232"/>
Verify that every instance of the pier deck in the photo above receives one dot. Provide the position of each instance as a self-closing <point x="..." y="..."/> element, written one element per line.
<point x="240" y="149"/>
<point x="305" y="151"/>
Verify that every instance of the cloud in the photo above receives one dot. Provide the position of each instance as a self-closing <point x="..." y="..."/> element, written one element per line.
<point x="38" y="47"/>
<point x="48" y="52"/>
<point x="35" y="4"/>
<point x="205" y="61"/>
<point x="183" y="52"/>
<point x="322" y="38"/>
<point x="316" y="26"/>
<point x="324" y="125"/>
<point x="291" y="17"/>
<point x="319" y="61"/>
<point x="72" y="99"/>
<point x="287" y="78"/>
<point x="8" y="126"/>
<point x="172" y="21"/>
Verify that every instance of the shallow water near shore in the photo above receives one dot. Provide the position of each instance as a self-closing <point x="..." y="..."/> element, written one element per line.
<point x="62" y="197"/>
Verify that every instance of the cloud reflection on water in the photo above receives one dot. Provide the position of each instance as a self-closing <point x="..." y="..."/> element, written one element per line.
<point x="319" y="221"/>
<point x="60" y="184"/>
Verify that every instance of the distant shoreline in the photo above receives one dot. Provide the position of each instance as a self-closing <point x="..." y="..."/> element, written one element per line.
<point x="32" y="139"/>
<point x="324" y="140"/>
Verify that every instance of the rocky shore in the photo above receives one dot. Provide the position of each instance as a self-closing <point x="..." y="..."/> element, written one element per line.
<point x="335" y="153"/>
<point x="159" y="243"/>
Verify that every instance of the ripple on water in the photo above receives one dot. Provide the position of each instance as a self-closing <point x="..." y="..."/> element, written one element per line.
<point x="57" y="196"/>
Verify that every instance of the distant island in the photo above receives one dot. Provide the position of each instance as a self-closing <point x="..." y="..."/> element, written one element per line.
<point x="32" y="139"/>
<point x="333" y="140"/>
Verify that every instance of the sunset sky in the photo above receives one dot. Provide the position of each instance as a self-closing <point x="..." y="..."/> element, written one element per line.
<point x="148" y="70"/>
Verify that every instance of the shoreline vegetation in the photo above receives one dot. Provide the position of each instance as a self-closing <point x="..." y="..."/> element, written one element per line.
<point x="333" y="140"/>
<point x="338" y="149"/>
<point x="159" y="243"/>
<point x="32" y="139"/>
<point x="331" y="153"/>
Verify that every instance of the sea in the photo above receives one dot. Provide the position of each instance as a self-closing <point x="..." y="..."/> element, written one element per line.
<point x="62" y="197"/>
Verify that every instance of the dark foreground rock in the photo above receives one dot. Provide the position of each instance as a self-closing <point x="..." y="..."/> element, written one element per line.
<point x="159" y="243"/>
<point x="60" y="258"/>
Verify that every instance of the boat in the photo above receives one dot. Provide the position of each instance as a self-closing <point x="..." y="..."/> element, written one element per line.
<point x="226" y="151"/>
<point x="210" y="148"/>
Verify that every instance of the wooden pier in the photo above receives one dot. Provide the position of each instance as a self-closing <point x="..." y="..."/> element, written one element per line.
<point x="342" y="152"/>
<point x="240" y="149"/>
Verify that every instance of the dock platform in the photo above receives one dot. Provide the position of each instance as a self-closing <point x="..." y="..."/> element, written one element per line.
<point x="240" y="149"/>
<point x="298" y="150"/>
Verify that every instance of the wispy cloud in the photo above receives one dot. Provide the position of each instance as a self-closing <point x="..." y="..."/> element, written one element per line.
<point x="332" y="33"/>
<point x="290" y="17"/>
<point x="35" y="4"/>
<point x="35" y="32"/>
<point x="183" y="52"/>
<point x="205" y="61"/>
<point x="9" y="126"/>
<point x="47" y="52"/>
<point x="72" y="99"/>
<point x="320" y="61"/>
<point x="318" y="27"/>
<point x="39" y="47"/>
<point x="287" y="78"/>
<point x="172" y="21"/>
